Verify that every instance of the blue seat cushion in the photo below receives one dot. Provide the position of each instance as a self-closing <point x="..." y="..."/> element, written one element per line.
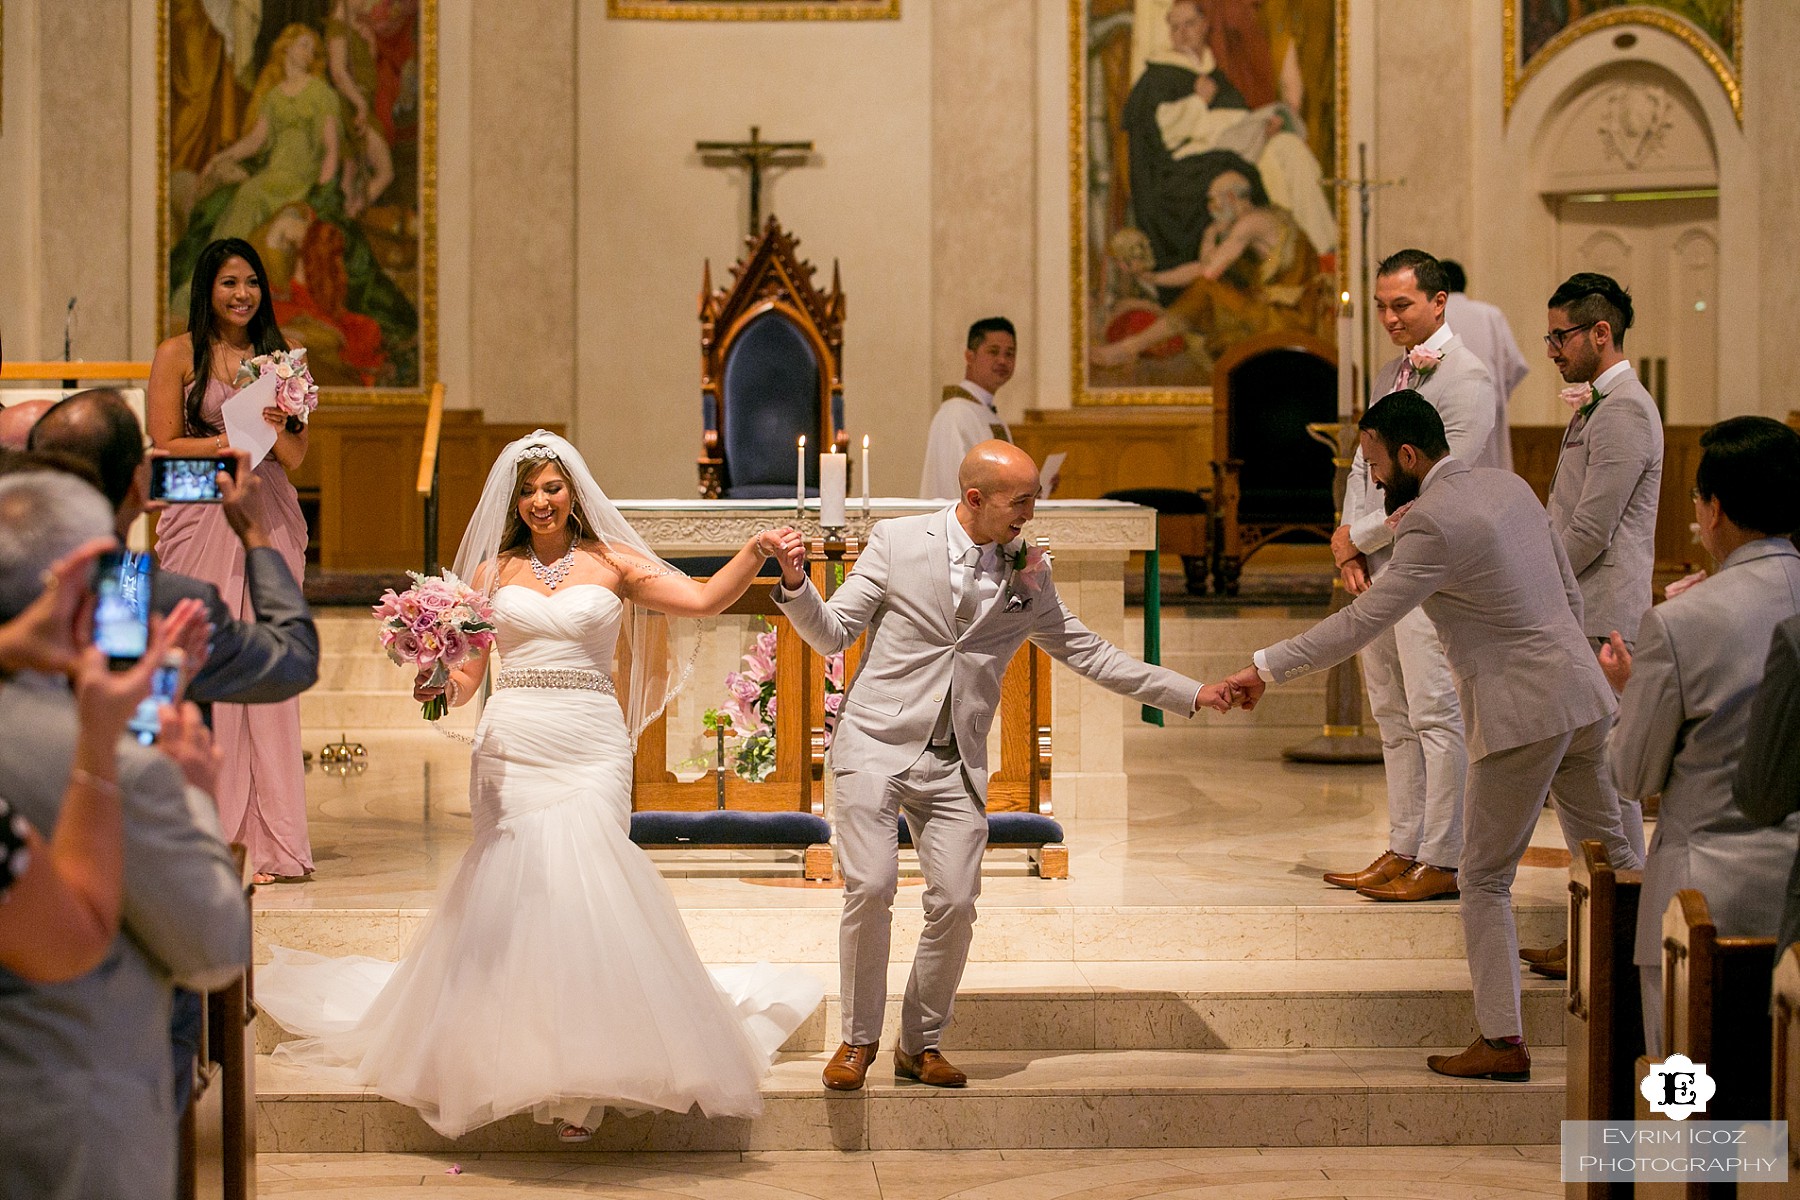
<point x="1173" y="502"/>
<point x="1009" y="829"/>
<point x="728" y="827"/>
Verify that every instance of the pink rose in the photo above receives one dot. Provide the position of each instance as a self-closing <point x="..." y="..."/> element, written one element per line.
<point x="455" y="646"/>
<point x="1576" y="395"/>
<point x="406" y="645"/>
<point x="436" y="599"/>
<point x="1683" y="584"/>
<point x="834" y="671"/>
<point x="407" y="607"/>
<point x="1424" y="361"/>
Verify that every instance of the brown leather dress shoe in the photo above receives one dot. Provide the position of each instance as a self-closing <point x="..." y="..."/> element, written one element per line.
<point x="1509" y="1064"/>
<point x="845" y="1071"/>
<point x="1421" y="882"/>
<point x="928" y="1066"/>
<point x="1388" y="866"/>
<point x="1544" y="954"/>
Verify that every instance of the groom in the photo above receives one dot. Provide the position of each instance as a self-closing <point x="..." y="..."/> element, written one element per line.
<point x="947" y="598"/>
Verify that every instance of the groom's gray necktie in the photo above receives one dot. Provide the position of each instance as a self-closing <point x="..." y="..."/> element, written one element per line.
<point x="968" y="569"/>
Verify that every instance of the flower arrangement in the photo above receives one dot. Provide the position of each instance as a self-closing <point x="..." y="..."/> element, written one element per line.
<point x="1582" y="397"/>
<point x="749" y="709"/>
<point x="295" y="392"/>
<point x="440" y="623"/>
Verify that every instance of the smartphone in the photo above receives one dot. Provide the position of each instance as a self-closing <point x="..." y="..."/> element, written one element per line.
<point x="122" y="606"/>
<point x="188" y="480"/>
<point x="165" y="688"/>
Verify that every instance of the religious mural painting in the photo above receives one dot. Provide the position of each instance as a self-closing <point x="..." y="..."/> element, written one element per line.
<point x="1537" y="30"/>
<point x="308" y="128"/>
<point x="1203" y="136"/>
<point x="753" y="10"/>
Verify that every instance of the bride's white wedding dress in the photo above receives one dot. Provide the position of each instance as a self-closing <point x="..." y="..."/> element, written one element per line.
<point x="555" y="974"/>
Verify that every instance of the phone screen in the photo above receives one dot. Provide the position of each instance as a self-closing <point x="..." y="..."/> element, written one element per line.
<point x="146" y="723"/>
<point x="122" y="608"/>
<point x="187" y="480"/>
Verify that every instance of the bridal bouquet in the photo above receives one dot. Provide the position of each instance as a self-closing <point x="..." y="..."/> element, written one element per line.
<point x="440" y="623"/>
<point x="295" y="392"/>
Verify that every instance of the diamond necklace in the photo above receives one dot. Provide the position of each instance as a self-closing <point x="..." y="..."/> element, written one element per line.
<point x="557" y="571"/>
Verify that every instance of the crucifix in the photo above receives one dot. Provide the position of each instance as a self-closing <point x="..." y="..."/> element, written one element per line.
<point x="755" y="156"/>
<point x="1343" y="739"/>
<point x="1365" y="189"/>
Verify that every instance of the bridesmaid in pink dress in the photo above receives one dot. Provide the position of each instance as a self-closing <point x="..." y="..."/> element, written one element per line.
<point x="231" y="318"/>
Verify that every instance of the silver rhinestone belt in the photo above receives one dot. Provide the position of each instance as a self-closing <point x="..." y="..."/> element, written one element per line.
<point x="577" y="678"/>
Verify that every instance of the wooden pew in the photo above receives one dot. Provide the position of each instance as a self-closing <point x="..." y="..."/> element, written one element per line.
<point x="217" y="1159"/>
<point x="1784" y="1089"/>
<point x="1715" y="1011"/>
<point x="1605" y="1017"/>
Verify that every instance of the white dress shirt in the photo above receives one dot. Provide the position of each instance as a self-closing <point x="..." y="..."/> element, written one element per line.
<point x="987" y="569"/>
<point x="1603" y="382"/>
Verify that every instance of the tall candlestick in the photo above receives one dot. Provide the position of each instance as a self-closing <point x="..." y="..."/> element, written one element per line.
<point x="865" y="478"/>
<point x="800" y="479"/>
<point x="834" y="481"/>
<point x="1346" y="334"/>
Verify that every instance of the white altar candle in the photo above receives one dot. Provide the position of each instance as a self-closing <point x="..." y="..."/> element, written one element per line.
<point x="800" y="478"/>
<point x="1346" y="337"/>
<point x="865" y="478"/>
<point x="834" y="481"/>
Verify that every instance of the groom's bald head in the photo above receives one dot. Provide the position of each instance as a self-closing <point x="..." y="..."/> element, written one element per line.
<point x="999" y="485"/>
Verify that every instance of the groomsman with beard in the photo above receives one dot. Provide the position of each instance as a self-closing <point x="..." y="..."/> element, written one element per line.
<point x="1411" y="692"/>
<point x="1474" y="548"/>
<point x="1603" y="496"/>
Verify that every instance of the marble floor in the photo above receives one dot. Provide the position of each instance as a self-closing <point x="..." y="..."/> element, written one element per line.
<point x="1215" y="817"/>
<point x="1438" y="1173"/>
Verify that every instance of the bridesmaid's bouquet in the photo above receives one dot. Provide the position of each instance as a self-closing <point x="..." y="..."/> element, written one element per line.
<point x="440" y="622"/>
<point x="295" y="392"/>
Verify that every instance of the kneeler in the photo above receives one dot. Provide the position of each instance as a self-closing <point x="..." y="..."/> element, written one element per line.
<point x="781" y="812"/>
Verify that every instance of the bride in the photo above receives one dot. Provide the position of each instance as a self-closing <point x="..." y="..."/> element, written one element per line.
<point x="555" y="975"/>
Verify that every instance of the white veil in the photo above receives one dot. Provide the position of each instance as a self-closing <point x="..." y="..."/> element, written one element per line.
<point x="647" y="674"/>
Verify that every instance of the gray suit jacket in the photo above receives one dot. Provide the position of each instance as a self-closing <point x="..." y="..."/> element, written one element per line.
<point x="273" y="659"/>
<point x="93" y="1054"/>
<point x="1767" y="787"/>
<point x="1682" y="722"/>
<point x="1464" y="394"/>
<point x="1476" y="550"/>
<point x="900" y="592"/>
<point x="1603" y="505"/>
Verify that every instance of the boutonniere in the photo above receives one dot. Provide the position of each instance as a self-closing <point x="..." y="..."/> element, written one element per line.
<point x="1423" y="361"/>
<point x="1030" y="571"/>
<point x="1582" y="397"/>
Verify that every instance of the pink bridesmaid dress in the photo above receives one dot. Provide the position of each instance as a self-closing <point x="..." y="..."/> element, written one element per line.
<point x="262" y="782"/>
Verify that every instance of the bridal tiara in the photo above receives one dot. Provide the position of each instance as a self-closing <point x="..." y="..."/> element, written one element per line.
<point x="538" y="451"/>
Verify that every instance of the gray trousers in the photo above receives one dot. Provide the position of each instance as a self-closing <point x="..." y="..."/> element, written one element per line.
<point x="1506" y="795"/>
<point x="1631" y="812"/>
<point x="949" y="830"/>
<point x="1413" y="698"/>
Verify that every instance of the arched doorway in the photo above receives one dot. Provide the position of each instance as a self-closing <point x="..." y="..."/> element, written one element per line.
<point x="1629" y="174"/>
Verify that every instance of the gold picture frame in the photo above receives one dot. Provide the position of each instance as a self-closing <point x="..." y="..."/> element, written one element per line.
<point x="753" y="10"/>
<point x="1091" y="246"/>
<point x="390" y="235"/>
<point x="1726" y="64"/>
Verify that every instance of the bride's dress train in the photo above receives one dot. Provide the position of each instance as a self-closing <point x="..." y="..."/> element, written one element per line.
<point x="554" y="974"/>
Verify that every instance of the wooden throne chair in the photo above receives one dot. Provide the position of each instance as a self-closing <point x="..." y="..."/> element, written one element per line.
<point x="771" y="371"/>
<point x="1271" y="479"/>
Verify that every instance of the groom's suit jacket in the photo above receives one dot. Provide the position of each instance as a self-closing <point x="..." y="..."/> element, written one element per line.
<point x="1476" y="550"/>
<point x="900" y="592"/>
<point x="1463" y="393"/>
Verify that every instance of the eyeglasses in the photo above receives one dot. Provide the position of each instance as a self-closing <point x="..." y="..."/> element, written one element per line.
<point x="1556" y="337"/>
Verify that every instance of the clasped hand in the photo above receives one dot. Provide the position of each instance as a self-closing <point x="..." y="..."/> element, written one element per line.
<point x="1243" y="690"/>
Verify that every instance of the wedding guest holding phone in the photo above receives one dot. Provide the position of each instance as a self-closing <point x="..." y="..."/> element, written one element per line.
<point x="231" y="321"/>
<point x="59" y="896"/>
<point x="92" y="1055"/>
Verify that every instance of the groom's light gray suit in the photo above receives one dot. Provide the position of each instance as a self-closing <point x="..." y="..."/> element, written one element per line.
<point x="884" y="761"/>
<point x="1476" y="551"/>
<point x="1411" y="695"/>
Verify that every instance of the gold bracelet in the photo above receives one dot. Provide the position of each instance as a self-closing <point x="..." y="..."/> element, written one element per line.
<point x="105" y="787"/>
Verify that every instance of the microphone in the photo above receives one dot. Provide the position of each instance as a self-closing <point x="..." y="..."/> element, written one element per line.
<point x="69" y="331"/>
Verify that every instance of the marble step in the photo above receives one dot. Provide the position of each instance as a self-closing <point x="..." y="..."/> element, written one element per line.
<point x="1020" y="1099"/>
<point x="1186" y="1006"/>
<point x="1356" y="930"/>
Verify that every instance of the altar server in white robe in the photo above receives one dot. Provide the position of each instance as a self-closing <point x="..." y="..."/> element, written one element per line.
<point x="1483" y="328"/>
<point x="967" y="417"/>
